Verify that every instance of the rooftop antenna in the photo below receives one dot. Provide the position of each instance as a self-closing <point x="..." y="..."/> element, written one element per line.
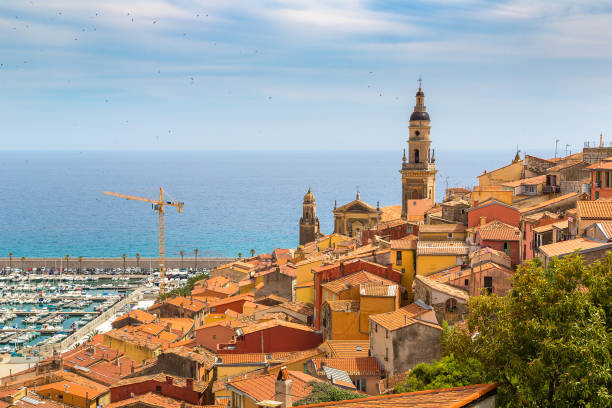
<point x="556" y="144"/>
<point x="567" y="149"/>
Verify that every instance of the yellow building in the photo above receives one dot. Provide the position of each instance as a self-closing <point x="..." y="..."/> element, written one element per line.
<point x="304" y="282"/>
<point x="138" y="346"/>
<point x="349" y="301"/>
<point x="442" y="232"/>
<point x="85" y="394"/>
<point x="354" y="217"/>
<point x="435" y="256"/>
<point x="403" y="259"/>
<point x="511" y="172"/>
<point x="482" y="194"/>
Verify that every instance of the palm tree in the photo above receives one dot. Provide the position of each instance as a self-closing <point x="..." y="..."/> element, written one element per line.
<point x="80" y="258"/>
<point x="123" y="256"/>
<point x="239" y="255"/>
<point x="91" y="335"/>
<point x="67" y="257"/>
<point x="252" y="252"/>
<point x="138" y="261"/>
<point x="22" y="261"/>
<point x="195" y="251"/>
<point x="10" y="261"/>
<point x="182" y="254"/>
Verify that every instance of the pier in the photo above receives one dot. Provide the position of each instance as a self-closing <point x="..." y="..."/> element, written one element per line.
<point x="53" y="313"/>
<point x="102" y="263"/>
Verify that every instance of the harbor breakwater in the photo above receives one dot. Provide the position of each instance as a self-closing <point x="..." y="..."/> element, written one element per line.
<point x="103" y="263"/>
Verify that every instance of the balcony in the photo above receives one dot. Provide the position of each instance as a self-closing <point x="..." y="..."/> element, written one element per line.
<point x="551" y="189"/>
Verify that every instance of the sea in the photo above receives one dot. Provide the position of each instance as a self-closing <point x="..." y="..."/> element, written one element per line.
<point x="53" y="203"/>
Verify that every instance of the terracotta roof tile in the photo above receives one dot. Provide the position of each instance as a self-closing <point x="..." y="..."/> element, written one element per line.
<point x="352" y="365"/>
<point x="151" y="400"/>
<point x="406" y="243"/>
<point x="528" y="181"/>
<point x="442" y="398"/>
<point x="187" y="303"/>
<point x="443" y="287"/>
<point x="273" y="323"/>
<point x="436" y="228"/>
<point x="73" y="388"/>
<point x="498" y="231"/>
<point x="567" y="247"/>
<point x="375" y="289"/>
<point x="139" y="315"/>
<point x="442" y="248"/>
<point x="601" y="210"/>
<point x="180" y="382"/>
<point x="353" y="279"/>
<point x="547" y="203"/>
<point x="261" y="387"/>
<point x="402" y="317"/>
<point x="347" y="348"/>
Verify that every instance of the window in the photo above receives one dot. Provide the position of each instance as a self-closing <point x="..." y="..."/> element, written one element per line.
<point x="597" y="195"/>
<point x="386" y="334"/>
<point x="466" y="282"/>
<point x="409" y="229"/>
<point x="360" y="384"/>
<point x="488" y="284"/>
<point x="451" y="305"/>
<point x="398" y="257"/>
<point x="213" y="309"/>
<point x="158" y="388"/>
<point x="387" y="354"/>
<point x="416" y="156"/>
<point x="449" y="235"/>
<point x="507" y="248"/>
<point x="376" y="327"/>
<point x="214" y="336"/>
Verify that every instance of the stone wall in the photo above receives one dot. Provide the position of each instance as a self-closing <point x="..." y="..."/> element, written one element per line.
<point x="593" y="155"/>
<point x="571" y="187"/>
<point x="415" y="344"/>
<point x="534" y="166"/>
<point x="276" y="283"/>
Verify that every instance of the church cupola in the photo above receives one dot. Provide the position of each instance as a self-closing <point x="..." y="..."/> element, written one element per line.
<point x="420" y="111"/>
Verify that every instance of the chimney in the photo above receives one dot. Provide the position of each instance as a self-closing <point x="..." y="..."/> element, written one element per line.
<point x="282" y="388"/>
<point x="483" y="220"/>
<point x="189" y="383"/>
<point x="168" y="380"/>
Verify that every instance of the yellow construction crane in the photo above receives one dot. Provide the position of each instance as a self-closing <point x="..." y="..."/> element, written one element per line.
<point x="158" y="205"/>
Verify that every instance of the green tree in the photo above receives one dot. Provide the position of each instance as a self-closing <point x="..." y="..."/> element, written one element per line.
<point x="448" y="372"/>
<point x="548" y="342"/>
<point x="138" y="261"/>
<point x="239" y="255"/>
<point x="80" y="258"/>
<point x="252" y="252"/>
<point x="10" y="262"/>
<point x="325" y="392"/>
<point x="195" y="251"/>
<point x="182" y="255"/>
<point x="124" y="256"/>
<point x="23" y="258"/>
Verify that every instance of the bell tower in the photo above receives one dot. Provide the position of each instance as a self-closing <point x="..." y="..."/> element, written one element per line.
<point x="419" y="168"/>
<point x="309" y="223"/>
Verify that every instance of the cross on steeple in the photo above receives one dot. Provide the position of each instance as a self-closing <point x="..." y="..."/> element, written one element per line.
<point x="420" y="82"/>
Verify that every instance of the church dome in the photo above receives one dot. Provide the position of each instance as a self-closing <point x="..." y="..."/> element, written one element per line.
<point x="309" y="197"/>
<point x="419" y="116"/>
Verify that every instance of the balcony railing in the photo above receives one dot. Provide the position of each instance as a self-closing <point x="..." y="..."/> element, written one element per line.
<point x="551" y="189"/>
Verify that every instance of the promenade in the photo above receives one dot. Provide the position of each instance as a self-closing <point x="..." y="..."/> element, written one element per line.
<point x="103" y="263"/>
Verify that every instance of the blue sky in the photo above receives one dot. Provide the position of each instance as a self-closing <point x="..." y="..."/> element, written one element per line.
<point x="316" y="74"/>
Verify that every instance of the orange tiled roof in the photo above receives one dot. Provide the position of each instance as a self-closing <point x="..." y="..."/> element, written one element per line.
<point x="375" y="289"/>
<point x="528" y="181"/>
<point x="390" y="213"/>
<point x="546" y="203"/>
<point x="352" y="365"/>
<point x="443" y="287"/>
<point x="150" y="328"/>
<point x="73" y="388"/>
<point x="567" y="247"/>
<point x="442" y="398"/>
<point x="151" y="400"/>
<point x="406" y="243"/>
<point x="220" y="302"/>
<point x="603" y="165"/>
<point x="442" y="248"/>
<point x="274" y="323"/>
<point x="498" y="231"/>
<point x="261" y="387"/>
<point x="181" y="324"/>
<point x="402" y="317"/>
<point x="601" y="210"/>
<point x="353" y="279"/>
<point x="139" y="315"/>
<point x="139" y="339"/>
<point x="606" y="227"/>
<point x="433" y="228"/>
<point x="348" y="348"/>
<point x="180" y="382"/>
<point x="193" y="305"/>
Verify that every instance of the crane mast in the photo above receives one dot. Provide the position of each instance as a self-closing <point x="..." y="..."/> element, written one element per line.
<point x="158" y="205"/>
